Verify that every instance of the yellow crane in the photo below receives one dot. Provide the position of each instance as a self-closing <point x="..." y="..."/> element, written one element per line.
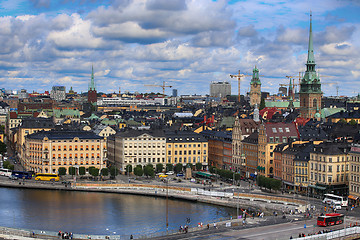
<point x="163" y="86"/>
<point x="238" y="76"/>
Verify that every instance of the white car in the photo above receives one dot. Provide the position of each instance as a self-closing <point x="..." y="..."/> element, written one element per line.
<point x="170" y="173"/>
<point x="337" y="206"/>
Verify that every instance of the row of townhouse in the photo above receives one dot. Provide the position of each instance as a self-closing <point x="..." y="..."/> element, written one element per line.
<point x="142" y="147"/>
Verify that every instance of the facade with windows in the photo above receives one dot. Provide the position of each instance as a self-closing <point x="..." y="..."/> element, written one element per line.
<point x="329" y="168"/>
<point x="354" y="175"/>
<point x="137" y="147"/>
<point x="186" y="147"/>
<point x="47" y="151"/>
<point x="270" y="135"/>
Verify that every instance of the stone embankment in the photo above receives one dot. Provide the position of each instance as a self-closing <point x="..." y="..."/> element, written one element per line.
<point x="260" y="202"/>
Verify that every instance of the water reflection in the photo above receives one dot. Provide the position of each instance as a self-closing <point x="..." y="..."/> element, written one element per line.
<point x="94" y="213"/>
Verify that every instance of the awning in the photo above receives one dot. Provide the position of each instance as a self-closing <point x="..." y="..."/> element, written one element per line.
<point x="289" y="183"/>
<point x="318" y="187"/>
<point x="353" y="197"/>
<point x="204" y="174"/>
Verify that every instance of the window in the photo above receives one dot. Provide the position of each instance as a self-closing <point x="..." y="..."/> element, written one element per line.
<point x="281" y="130"/>
<point x="287" y="129"/>
<point x="274" y="130"/>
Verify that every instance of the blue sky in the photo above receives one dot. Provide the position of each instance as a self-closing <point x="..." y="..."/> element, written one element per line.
<point x="187" y="43"/>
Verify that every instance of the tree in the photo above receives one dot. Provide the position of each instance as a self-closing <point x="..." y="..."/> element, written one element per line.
<point x="128" y="169"/>
<point x="62" y="171"/>
<point x="94" y="171"/>
<point x="343" y="121"/>
<point x="82" y="171"/>
<point x="72" y="171"/>
<point x="178" y="168"/>
<point x="2" y="148"/>
<point x="169" y="167"/>
<point x="8" y="165"/>
<point x="105" y="172"/>
<point x="212" y="169"/>
<point x="149" y="170"/>
<point x="262" y="104"/>
<point x="353" y="122"/>
<point x="198" y="166"/>
<point x="138" y="171"/>
<point x="113" y="171"/>
<point x="159" y="167"/>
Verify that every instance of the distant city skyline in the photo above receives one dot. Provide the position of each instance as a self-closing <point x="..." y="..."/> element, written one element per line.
<point x="186" y="43"/>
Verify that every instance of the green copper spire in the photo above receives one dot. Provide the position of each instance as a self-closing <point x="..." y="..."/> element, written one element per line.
<point x="311" y="81"/>
<point x="92" y="83"/>
<point x="255" y="76"/>
<point x="311" y="58"/>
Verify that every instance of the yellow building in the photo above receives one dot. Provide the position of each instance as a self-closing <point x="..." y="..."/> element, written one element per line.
<point x="30" y="126"/>
<point x="47" y="151"/>
<point x="186" y="147"/>
<point x="270" y="135"/>
<point x="354" y="175"/>
<point x="329" y="168"/>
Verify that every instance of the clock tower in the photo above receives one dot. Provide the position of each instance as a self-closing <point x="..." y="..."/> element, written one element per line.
<point x="255" y="88"/>
<point x="310" y="86"/>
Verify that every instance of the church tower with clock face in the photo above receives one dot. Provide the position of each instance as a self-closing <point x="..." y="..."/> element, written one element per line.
<point x="255" y="88"/>
<point x="310" y="86"/>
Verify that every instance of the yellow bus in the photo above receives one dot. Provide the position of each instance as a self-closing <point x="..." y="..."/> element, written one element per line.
<point x="47" y="177"/>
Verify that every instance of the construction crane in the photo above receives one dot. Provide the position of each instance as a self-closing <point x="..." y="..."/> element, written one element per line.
<point x="163" y="86"/>
<point x="238" y="76"/>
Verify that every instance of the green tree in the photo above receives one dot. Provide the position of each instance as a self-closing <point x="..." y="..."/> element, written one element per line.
<point x="62" y="171"/>
<point x="105" y="172"/>
<point x="149" y="170"/>
<point x="138" y="171"/>
<point x="94" y="171"/>
<point x="128" y="169"/>
<point x="178" y="168"/>
<point x="169" y="167"/>
<point x="212" y="169"/>
<point x="262" y="104"/>
<point x="82" y="171"/>
<point x="353" y="122"/>
<point x="159" y="167"/>
<point x="113" y="171"/>
<point x="342" y="120"/>
<point x="72" y="171"/>
<point x="2" y="148"/>
<point x="198" y="166"/>
<point x="8" y="165"/>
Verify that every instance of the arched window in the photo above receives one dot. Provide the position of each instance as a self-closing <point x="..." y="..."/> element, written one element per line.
<point x="315" y="103"/>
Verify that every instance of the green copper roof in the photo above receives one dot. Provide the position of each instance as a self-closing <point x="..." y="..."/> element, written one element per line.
<point x="311" y="81"/>
<point x="92" y="83"/>
<point x="255" y="76"/>
<point x="311" y="58"/>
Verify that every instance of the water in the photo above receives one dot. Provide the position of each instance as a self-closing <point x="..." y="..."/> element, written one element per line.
<point x="99" y="213"/>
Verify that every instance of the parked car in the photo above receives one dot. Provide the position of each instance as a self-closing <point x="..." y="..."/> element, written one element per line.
<point x="163" y="176"/>
<point x="180" y="174"/>
<point x="170" y="173"/>
<point x="12" y="177"/>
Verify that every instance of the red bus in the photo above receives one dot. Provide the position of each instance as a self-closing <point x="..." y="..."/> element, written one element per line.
<point x="330" y="219"/>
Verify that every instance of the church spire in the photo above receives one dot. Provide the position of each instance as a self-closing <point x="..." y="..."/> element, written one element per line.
<point x="92" y="83"/>
<point x="311" y="58"/>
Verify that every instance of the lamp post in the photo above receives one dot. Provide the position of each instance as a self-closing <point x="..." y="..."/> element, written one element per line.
<point x="167" y="205"/>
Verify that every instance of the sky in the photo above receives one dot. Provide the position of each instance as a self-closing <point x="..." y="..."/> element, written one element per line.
<point x="186" y="43"/>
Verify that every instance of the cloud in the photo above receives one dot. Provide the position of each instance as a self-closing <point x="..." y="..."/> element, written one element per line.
<point x="173" y="5"/>
<point x="41" y="3"/>
<point x="78" y="36"/>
